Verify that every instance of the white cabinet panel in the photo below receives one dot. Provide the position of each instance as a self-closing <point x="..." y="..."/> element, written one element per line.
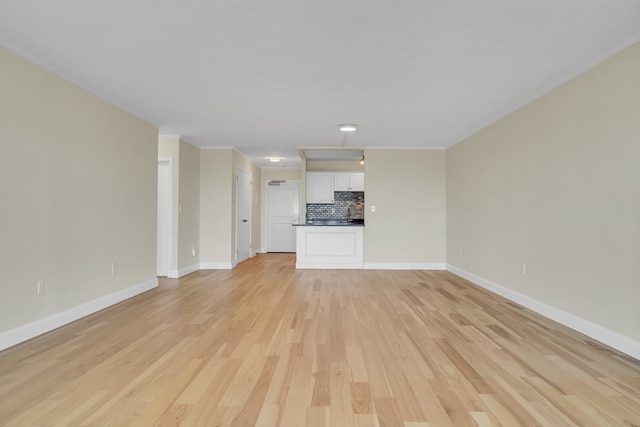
<point x="356" y="181"/>
<point x="341" y="181"/>
<point x="320" y="187"/>
<point x="349" y="181"/>
<point x="330" y="247"/>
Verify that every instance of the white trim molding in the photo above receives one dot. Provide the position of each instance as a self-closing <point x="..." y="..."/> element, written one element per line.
<point x="216" y="266"/>
<point x="214" y="147"/>
<point x="406" y="148"/>
<point x="174" y="274"/>
<point x="404" y="266"/>
<point x="572" y="74"/>
<point x="38" y="327"/>
<point x="331" y="266"/>
<point x="597" y="332"/>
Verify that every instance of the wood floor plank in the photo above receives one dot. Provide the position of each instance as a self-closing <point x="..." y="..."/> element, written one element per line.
<point x="317" y="416"/>
<point x="300" y="391"/>
<point x="251" y="409"/>
<point x="200" y="413"/>
<point x="265" y="344"/>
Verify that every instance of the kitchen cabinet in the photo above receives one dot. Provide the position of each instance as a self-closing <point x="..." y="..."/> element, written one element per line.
<point x="320" y="187"/>
<point x="349" y="181"/>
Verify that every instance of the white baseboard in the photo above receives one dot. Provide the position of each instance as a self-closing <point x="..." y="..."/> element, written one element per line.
<point x="54" y="321"/>
<point x="404" y="266"/>
<point x="174" y="274"/>
<point x="216" y="266"/>
<point x="600" y="333"/>
<point x="332" y="266"/>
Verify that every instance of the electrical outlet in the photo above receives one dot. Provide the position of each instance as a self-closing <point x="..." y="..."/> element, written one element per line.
<point x="193" y="251"/>
<point x="460" y="252"/>
<point x="524" y="268"/>
<point x="113" y="268"/>
<point x="40" y="287"/>
<point x="373" y="208"/>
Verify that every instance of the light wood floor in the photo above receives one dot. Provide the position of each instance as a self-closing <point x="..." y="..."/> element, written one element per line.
<point x="267" y="345"/>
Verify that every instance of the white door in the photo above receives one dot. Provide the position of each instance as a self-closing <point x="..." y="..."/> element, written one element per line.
<point x="243" y="215"/>
<point x="164" y="217"/>
<point x="283" y="210"/>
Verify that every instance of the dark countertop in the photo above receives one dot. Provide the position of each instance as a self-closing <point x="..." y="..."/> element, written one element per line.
<point x="330" y="223"/>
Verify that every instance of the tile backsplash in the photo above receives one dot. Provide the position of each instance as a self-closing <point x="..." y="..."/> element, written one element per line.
<point x="348" y="205"/>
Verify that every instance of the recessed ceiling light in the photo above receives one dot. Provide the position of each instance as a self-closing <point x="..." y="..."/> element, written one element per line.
<point x="275" y="159"/>
<point x="347" y="128"/>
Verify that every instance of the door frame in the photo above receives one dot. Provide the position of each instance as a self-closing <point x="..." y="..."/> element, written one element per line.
<point x="169" y="214"/>
<point x="241" y="170"/>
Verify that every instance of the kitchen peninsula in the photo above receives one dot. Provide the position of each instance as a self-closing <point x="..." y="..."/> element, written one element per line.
<point x="335" y="244"/>
<point x="333" y="235"/>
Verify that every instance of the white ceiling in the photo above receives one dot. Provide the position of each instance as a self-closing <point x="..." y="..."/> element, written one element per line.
<point x="269" y="76"/>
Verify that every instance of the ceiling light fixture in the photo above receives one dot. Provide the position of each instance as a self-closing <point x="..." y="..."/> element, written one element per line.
<point x="274" y="159"/>
<point x="347" y="128"/>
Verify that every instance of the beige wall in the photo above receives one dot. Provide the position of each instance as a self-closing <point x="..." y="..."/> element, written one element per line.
<point x="215" y="206"/>
<point x="189" y="208"/>
<point x="556" y="185"/>
<point x="408" y="189"/>
<point x="218" y="206"/>
<point x="286" y="174"/>
<point x="77" y="192"/>
<point x="185" y="202"/>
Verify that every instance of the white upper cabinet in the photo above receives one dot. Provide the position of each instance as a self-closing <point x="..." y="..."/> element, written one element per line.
<point x="349" y="181"/>
<point x="320" y="187"/>
<point x="357" y="181"/>
<point x="341" y="181"/>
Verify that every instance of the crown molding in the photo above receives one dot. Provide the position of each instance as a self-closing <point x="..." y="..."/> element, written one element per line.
<point x="406" y="148"/>
<point x="586" y="66"/>
<point x="216" y="147"/>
